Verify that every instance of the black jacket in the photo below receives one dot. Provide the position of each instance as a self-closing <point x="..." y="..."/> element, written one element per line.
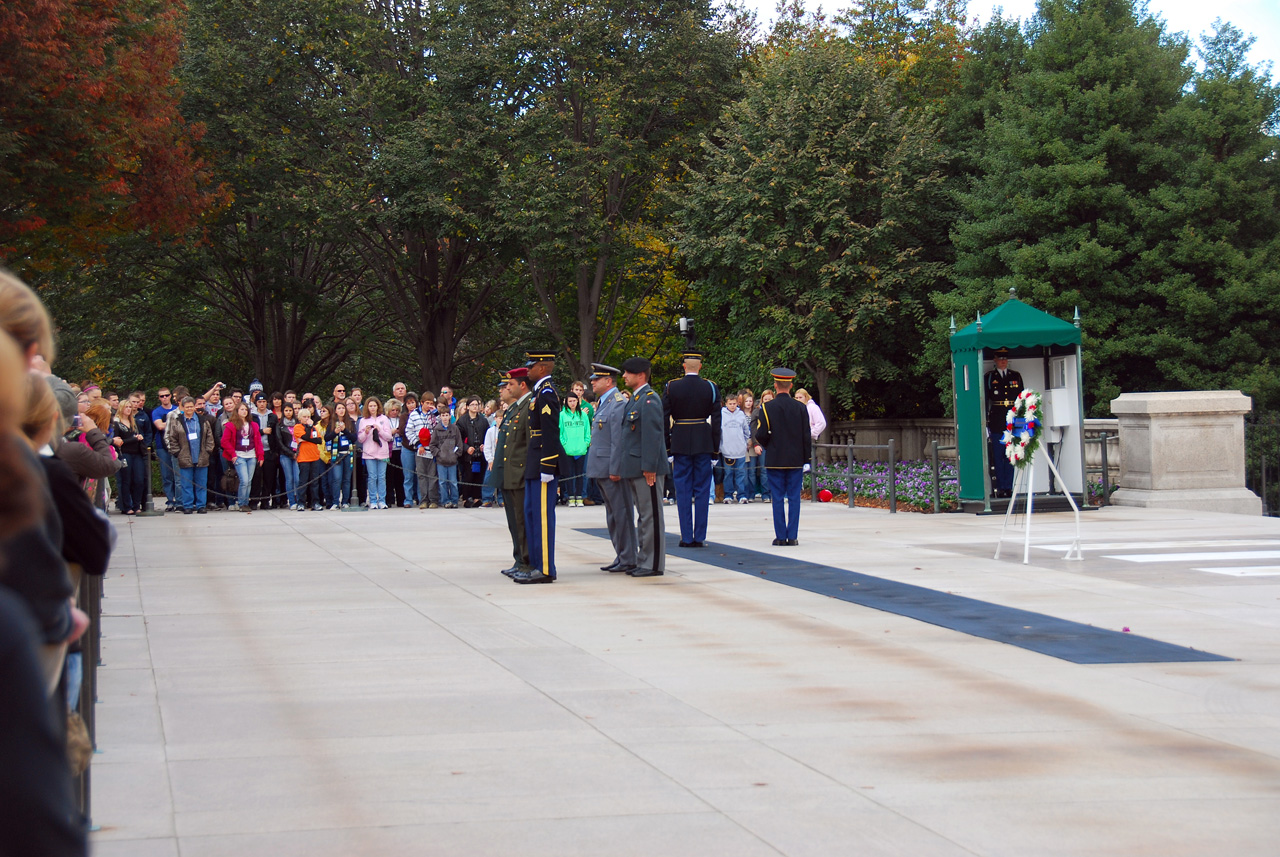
<point x="782" y="428"/>
<point x="687" y="405"/>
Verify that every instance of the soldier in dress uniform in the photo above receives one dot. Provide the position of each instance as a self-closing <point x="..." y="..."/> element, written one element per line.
<point x="619" y="512"/>
<point x="781" y="428"/>
<point x="639" y="458"/>
<point x="691" y="410"/>
<point x="511" y="451"/>
<point x="1001" y="386"/>
<point x="540" y="470"/>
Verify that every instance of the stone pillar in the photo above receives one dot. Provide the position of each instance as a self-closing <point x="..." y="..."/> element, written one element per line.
<point x="1184" y="450"/>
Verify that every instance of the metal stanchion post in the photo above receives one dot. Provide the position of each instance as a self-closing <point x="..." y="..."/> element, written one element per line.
<point x="1106" y="480"/>
<point x="813" y="473"/>
<point x="937" y="500"/>
<point x="148" y="506"/>
<point x="354" y="506"/>
<point x="848" y="475"/>
<point x="893" y="477"/>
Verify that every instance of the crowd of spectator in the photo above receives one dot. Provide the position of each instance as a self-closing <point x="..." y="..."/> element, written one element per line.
<point x="244" y="449"/>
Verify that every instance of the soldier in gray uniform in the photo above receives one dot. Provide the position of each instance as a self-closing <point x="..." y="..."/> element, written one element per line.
<point x="640" y="457"/>
<point x="619" y="511"/>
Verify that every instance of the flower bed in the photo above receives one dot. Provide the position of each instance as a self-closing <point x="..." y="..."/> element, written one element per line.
<point x="914" y="484"/>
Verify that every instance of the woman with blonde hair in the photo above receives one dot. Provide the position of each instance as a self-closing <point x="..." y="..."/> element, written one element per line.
<point x="817" y="422"/>
<point x="127" y="438"/>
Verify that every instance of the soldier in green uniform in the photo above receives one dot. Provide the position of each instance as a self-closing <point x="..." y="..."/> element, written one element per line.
<point x="512" y="452"/>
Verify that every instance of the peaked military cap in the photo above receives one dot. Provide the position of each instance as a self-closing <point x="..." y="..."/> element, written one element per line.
<point x="603" y="370"/>
<point x="539" y="356"/>
<point x="781" y="373"/>
<point x="691" y="354"/>
<point x="1002" y="353"/>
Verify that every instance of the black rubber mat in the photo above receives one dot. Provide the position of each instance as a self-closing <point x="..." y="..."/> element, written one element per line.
<point x="1036" y="632"/>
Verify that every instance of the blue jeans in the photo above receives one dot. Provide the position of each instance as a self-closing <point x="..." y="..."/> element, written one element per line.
<point x="194" y="486"/>
<point x="785" y="487"/>
<point x="244" y="470"/>
<point x="488" y="493"/>
<point x="290" y="468"/>
<point x="448" y="476"/>
<point x="735" y="479"/>
<point x="575" y="480"/>
<point x="759" y="480"/>
<point x="340" y="480"/>
<point x="308" y="489"/>
<point x="408" y="464"/>
<point x="168" y="476"/>
<point x="377" y="470"/>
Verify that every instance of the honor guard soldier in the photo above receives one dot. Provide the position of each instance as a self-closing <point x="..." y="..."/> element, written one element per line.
<point x="540" y="470"/>
<point x="640" y="459"/>
<point x="606" y="433"/>
<point x="691" y="408"/>
<point x="782" y="429"/>
<point x="1001" y="386"/>
<point x="511" y="452"/>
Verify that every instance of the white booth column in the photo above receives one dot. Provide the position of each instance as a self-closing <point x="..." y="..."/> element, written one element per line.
<point x="1184" y="450"/>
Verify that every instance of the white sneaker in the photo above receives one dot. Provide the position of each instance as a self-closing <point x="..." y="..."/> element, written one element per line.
<point x="744" y="501"/>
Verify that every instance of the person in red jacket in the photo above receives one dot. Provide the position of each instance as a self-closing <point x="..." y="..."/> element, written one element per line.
<point x="242" y="449"/>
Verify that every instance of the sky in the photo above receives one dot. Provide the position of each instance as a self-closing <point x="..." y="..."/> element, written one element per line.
<point x="1261" y="18"/>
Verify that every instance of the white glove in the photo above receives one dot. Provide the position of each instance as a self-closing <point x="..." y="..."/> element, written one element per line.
<point x="806" y="469"/>
<point x="547" y="477"/>
<point x="671" y="459"/>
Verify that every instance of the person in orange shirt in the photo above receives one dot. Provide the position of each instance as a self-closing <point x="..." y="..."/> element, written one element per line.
<point x="309" y="465"/>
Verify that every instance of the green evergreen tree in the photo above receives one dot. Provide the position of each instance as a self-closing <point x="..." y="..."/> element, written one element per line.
<point x="1073" y="165"/>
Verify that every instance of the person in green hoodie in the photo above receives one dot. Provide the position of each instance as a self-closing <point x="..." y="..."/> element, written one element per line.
<point x="575" y="436"/>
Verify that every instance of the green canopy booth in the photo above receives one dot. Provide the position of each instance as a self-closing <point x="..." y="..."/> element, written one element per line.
<point x="1046" y="352"/>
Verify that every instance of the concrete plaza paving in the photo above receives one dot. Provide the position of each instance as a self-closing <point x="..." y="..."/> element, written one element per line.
<point x="330" y="683"/>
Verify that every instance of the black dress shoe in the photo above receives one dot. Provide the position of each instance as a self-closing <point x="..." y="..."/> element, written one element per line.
<point x="613" y="566"/>
<point x="201" y="511"/>
<point x="686" y="544"/>
<point x="779" y="542"/>
<point x="534" y="576"/>
<point x="696" y="545"/>
<point x="792" y="542"/>
<point x="645" y="572"/>
<point x="625" y="569"/>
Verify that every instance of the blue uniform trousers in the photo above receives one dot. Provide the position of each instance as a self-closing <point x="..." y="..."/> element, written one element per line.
<point x="1004" y="467"/>
<point x="692" y="477"/>
<point x="784" y="486"/>
<point x="540" y="524"/>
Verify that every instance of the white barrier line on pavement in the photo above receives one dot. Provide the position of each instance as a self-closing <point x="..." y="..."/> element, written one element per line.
<point x="1206" y="556"/>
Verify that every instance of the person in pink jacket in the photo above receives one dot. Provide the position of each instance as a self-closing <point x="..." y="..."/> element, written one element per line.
<point x="374" y="435"/>
<point x="817" y="422"/>
<point x="242" y="448"/>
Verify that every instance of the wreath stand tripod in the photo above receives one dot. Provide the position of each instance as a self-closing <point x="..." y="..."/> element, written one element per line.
<point x="1074" y="552"/>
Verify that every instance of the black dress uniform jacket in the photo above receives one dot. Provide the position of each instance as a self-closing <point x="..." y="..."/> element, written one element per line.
<point x="545" y="450"/>
<point x="686" y="405"/>
<point x="1000" y="393"/>
<point x="782" y="428"/>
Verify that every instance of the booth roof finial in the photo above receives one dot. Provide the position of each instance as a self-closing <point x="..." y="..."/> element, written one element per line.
<point x="979" y="321"/>
<point x="1076" y="320"/>
<point x="953" y="325"/>
<point x="1013" y="291"/>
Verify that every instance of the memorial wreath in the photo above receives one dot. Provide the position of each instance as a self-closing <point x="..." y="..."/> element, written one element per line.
<point x="1022" y="428"/>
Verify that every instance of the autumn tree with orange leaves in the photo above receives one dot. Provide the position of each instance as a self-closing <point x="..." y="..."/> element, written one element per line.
<point x="91" y="141"/>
